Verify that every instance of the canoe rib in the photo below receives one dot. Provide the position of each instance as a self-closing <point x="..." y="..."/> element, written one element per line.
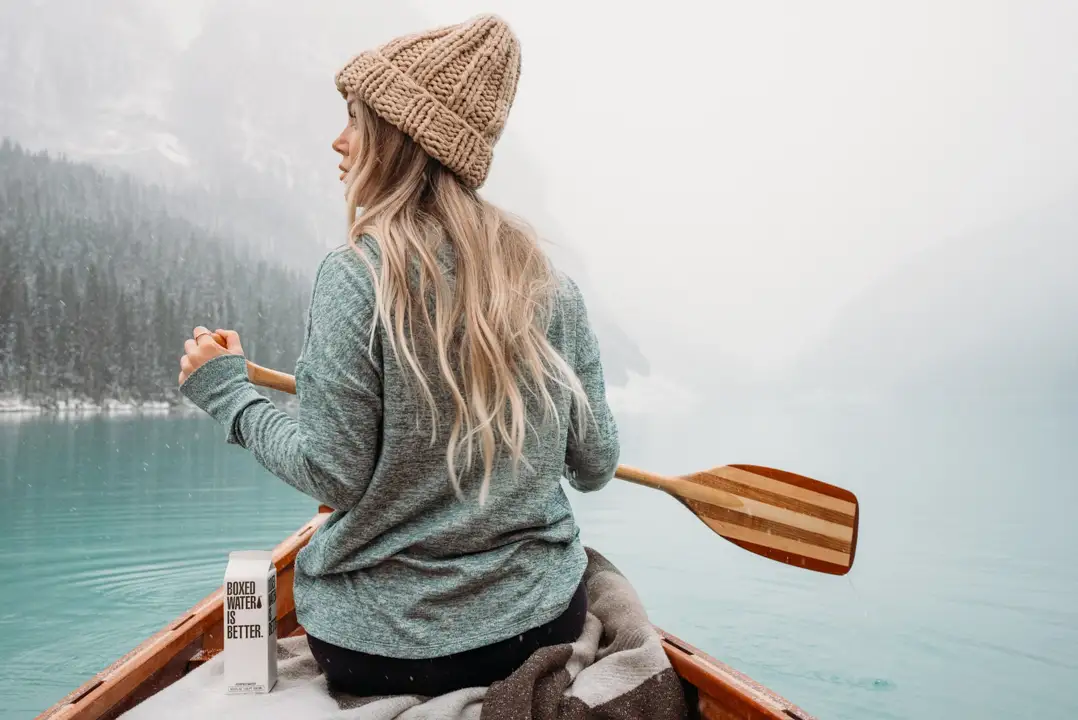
<point x="719" y="692"/>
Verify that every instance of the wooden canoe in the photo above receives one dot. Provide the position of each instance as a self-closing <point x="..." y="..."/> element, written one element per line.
<point x="714" y="690"/>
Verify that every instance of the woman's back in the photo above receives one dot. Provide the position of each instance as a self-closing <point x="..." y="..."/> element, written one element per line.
<point x="406" y="568"/>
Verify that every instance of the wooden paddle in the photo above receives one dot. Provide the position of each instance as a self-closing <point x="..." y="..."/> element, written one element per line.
<point x="779" y="515"/>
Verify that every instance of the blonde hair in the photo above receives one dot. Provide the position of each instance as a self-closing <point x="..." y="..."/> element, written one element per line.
<point x="488" y="330"/>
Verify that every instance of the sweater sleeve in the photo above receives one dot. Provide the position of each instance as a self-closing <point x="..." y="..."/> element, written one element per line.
<point x="591" y="459"/>
<point x="331" y="450"/>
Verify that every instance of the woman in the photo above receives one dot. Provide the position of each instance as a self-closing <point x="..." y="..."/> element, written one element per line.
<point x="449" y="378"/>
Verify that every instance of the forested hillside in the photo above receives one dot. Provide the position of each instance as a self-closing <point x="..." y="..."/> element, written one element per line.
<point x="101" y="282"/>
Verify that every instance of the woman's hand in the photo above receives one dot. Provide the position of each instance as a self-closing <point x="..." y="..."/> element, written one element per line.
<point x="205" y="346"/>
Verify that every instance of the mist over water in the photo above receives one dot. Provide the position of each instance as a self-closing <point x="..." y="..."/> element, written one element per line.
<point x="834" y="238"/>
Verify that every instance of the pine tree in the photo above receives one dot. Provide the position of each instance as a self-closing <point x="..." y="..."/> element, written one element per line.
<point x="68" y="350"/>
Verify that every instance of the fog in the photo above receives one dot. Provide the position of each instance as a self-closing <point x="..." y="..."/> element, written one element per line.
<point x="839" y="238"/>
<point x="746" y="191"/>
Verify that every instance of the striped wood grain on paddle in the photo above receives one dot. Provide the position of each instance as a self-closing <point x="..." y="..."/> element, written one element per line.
<point x="780" y="515"/>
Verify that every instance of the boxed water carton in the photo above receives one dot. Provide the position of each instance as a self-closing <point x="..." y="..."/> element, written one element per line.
<point x="250" y="622"/>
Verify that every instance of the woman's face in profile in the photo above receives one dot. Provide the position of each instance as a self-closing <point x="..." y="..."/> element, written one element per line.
<point x="347" y="143"/>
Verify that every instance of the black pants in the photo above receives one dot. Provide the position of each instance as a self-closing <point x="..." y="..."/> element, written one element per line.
<point x="366" y="675"/>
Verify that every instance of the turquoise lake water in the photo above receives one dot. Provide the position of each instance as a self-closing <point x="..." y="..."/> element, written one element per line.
<point x="961" y="604"/>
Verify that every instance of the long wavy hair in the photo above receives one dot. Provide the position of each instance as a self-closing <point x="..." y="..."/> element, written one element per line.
<point x="488" y="327"/>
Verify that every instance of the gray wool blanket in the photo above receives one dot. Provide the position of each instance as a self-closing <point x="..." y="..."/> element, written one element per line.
<point x="616" y="669"/>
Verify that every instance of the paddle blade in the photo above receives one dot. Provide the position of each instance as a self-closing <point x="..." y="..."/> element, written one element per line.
<point x="782" y="516"/>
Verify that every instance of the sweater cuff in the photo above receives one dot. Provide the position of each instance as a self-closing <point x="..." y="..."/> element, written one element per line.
<point x="221" y="388"/>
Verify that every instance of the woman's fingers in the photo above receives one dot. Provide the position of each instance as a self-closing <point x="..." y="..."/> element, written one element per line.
<point x="232" y="341"/>
<point x="202" y="334"/>
<point x="200" y="348"/>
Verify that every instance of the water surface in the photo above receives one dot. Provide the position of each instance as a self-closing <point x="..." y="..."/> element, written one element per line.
<point x="961" y="603"/>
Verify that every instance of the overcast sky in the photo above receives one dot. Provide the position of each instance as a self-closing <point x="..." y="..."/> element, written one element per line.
<point x="736" y="172"/>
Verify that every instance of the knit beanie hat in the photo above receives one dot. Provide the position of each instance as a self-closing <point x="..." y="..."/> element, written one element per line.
<point x="449" y="89"/>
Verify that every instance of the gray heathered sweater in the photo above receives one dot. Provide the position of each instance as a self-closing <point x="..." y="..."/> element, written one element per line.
<point x="403" y="568"/>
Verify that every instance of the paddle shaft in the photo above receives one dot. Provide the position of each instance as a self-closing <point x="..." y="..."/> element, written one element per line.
<point x="273" y="379"/>
<point x="677" y="487"/>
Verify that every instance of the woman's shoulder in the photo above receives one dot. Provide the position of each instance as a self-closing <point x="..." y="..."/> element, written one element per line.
<point x="346" y="264"/>
<point x="343" y="278"/>
<point x="568" y="292"/>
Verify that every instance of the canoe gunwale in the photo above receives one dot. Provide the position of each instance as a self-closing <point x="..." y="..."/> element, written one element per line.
<point x="726" y="693"/>
<point x="196" y="635"/>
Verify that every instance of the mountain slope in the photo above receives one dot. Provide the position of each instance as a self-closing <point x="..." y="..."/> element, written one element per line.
<point x="100" y="284"/>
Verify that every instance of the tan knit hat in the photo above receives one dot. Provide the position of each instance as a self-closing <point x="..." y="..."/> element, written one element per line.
<point x="449" y="89"/>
